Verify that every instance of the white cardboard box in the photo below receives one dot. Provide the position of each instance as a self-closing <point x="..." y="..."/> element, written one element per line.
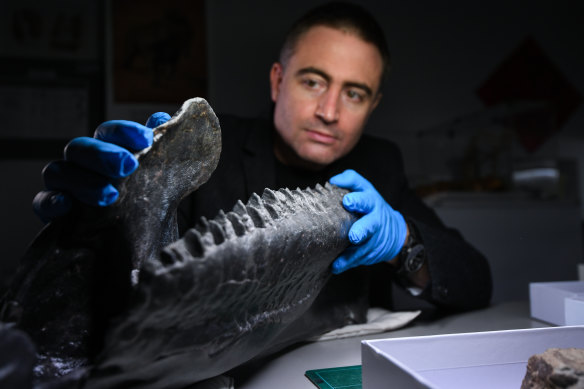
<point x="574" y="310"/>
<point x="496" y="359"/>
<point x="558" y="303"/>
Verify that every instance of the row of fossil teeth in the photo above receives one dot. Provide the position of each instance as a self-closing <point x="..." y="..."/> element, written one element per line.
<point x="259" y="212"/>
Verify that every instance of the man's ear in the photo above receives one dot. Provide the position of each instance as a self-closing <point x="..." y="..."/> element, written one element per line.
<point x="276" y="73"/>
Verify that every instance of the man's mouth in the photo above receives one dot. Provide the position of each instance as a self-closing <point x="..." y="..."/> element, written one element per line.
<point x="321" y="137"/>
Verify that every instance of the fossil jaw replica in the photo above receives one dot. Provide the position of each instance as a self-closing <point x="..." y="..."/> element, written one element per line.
<point x="113" y="292"/>
<point x="226" y="290"/>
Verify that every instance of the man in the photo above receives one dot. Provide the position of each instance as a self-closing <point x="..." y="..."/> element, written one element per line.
<point x="324" y="87"/>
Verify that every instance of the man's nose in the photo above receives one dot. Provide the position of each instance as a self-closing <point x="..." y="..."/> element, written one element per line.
<point x="328" y="107"/>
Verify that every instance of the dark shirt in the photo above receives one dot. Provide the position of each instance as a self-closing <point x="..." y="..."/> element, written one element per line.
<point x="460" y="275"/>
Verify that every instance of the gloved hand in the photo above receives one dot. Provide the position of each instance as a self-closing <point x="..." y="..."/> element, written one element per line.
<point x="379" y="234"/>
<point x="91" y="166"/>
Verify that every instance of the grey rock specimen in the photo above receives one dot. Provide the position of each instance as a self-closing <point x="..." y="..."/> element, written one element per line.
<point x="555" y="369"/>
<point x="113" y="298"/>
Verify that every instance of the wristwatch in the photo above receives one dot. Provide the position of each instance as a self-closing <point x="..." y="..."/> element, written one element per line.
<point x="412" y="256"/>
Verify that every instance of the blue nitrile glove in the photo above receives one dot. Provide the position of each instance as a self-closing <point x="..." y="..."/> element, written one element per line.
<point x="91" y="165"/>
<point x="379" y="234"/>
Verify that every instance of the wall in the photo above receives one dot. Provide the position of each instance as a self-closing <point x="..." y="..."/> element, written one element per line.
<point x="442" y="51"/>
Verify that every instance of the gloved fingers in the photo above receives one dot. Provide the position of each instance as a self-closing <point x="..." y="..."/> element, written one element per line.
<point x="125" y="133"/>
<point x="364" y="228"/>
<point x="360" y="202"/>
<point x="86" y="186"/>
<point x="101" y="157"/>
<point x="354" y="256"/>
<point x="350" y="179"/>
<point x="344" y="261"/>
<point x="49" y="205"/>
<point x="157" y="119"/>
<point x="357" y="255"/>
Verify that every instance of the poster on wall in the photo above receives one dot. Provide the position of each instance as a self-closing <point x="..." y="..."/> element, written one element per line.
<point x="158" y="51"/>
<point x="51" y="86"/>
<point x="49" y="30"/>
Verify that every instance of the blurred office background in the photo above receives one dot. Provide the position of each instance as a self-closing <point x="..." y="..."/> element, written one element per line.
<point x="484" y="98"/>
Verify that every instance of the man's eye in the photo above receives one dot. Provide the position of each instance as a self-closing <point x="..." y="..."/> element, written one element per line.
<point x="354" y="96"/>
<point x="311" y="83"/>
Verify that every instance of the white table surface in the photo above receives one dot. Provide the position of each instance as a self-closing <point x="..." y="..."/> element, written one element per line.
<point x="286" y="370"/>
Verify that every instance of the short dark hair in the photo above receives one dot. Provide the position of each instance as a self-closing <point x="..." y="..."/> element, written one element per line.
<point x="347" y="17"/>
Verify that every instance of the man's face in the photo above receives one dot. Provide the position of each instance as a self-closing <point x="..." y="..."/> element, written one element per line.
<point x="323" y="96"/>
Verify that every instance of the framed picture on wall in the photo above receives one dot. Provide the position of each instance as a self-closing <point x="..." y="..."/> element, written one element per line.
<point x="158" y="51"/>
<point x="51" y="75"/>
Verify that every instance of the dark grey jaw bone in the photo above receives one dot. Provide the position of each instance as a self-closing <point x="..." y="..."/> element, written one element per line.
<point x="76" y="274"/>
<point x="228" y="291"/>
<point x="232" y="288"/>
<point x="184" y="154"/>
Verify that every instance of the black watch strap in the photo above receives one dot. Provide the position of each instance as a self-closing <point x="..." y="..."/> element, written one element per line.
<point x="412" y="256"/>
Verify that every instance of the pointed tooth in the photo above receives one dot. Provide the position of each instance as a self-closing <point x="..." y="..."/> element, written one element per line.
<point x="236" y="223"/>
<point x="239" y="208"/>
<point x="269" y="196"/>
<point x="225" y="224"/>
<point x="306" y="200"/>
<point x="319" y="188"/>
<point x="216" y="232"/>
<point x="255" y="201"/>
<point x="310" y="193"/>
<point x="273" y="212"/>
<point x="299" y="193"/>
<point x="220" y="218"/>
<point x="317" y="205"/>
<point x="272" y="203"/>
<point x="286" y="192"/>
<point x="314" y="201"/>
<point x="306" y="197"/>
<point x="256" y="216"/>
<point x="203" y="225"/>
<point x="193" y="241"/>
<point x="283" y="201"/>
<point x="280" y="195"/>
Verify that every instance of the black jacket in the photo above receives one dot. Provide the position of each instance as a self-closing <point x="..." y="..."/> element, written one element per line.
<point x="460" y="275"/>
